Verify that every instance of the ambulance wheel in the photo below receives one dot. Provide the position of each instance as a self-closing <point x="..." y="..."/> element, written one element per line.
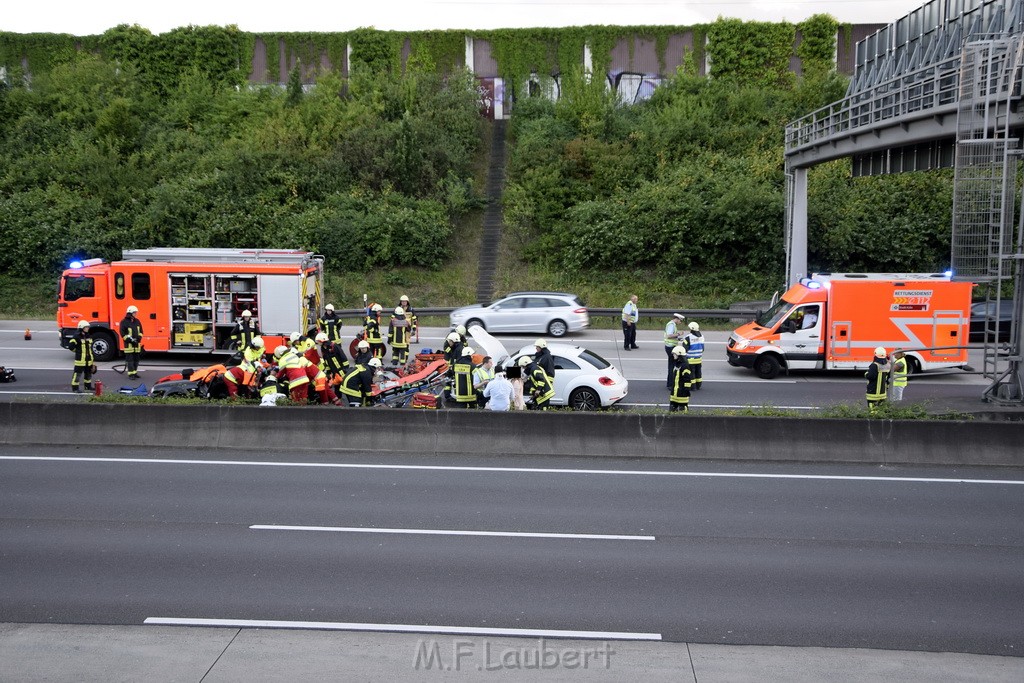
<point x="913" y="365"/>
<point x="767" y="366"/>
<point x="103" y="347"/>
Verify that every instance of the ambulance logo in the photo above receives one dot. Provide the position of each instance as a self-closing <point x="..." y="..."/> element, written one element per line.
<point x="911" y="300"/>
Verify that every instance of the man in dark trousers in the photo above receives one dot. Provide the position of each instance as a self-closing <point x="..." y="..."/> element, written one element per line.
<point x="245" y="330"/>
<point x="679" y="391"/>
<point x="131" y="336"/>
<point x="536" y="384"/>
<point x="878" y="379"/>
<point x="357" y="387"/>
<point x="330" y="324"/>
<point x="630" y="316"/>
<point x="81" y="346"/>
<point x="398" y="337"/>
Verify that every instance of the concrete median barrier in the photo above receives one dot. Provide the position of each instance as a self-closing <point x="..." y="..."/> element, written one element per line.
<point x="189" y="428"/>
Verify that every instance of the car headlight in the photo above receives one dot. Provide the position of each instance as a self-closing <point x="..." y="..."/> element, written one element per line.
<point x="741" y="344"/>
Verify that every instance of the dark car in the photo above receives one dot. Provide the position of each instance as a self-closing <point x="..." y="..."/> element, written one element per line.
<point x="978" y="315"/>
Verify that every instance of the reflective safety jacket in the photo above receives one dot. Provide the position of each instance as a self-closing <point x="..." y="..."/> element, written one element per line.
<point x="537" y="384"/>
<point x="292" y="367"/>
<point x="333" y="360"/>
<point x="452" y="351"/>
<point x="243" y="332"/>
<point x="81" y="345"/>
<point x="899" y="372"/>
<point x="372" y="327"/>
<point x="398" y="332"/>
<point x="252" y="354"/>
<point x="481" y="376"/>
<point x="462" y="390"/>
<point x="694" y="345"/>
<point x="681" y="383"/>
<point x="269" y="385"/>
<point x="330" y="325"/>
<point x="671" y="334"/>
<point x="243" y="374"/>
<point x="131" y="334"/>
<point x="358" y="383"/>
<point x="878" y="379"/>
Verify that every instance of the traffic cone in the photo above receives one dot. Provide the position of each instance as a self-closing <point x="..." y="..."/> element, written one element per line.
<point x="28" y="334"/>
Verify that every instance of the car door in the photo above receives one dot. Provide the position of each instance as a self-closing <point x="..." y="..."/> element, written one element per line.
<point x="504" y="314"/>
<point x="800" y="338"/>
<point x="536" y="312"/>
<point x="568" y="375"/>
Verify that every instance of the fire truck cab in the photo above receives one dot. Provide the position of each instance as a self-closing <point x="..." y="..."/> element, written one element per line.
<point x="834" y="321"/>
<point x="190" y="300"/>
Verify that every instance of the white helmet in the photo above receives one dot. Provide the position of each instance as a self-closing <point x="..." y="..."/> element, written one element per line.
<point x="133" y="309"/>
<point x="257" y="342"/>
<point x="399" y="311"/>
<point x="695" y="327"/>
<point x="376" y="308"/>
<point x="524" y="361"/>
<point x="678" y="351"/>
<point x="363" y="345"/>
<point x="321" y="337"/>
<point x="461" y="329"/>
<point x="375" y="363"/>
<point x="541" y="344"/>
<point x="453" y="337"/>
<point x="880" y="352"/>
<point x="280" y="351"/>
<point x="468" y="351"/>
<point x="329" y="307"/>
<point x="679" y="316"/>
<point x="246" y="313"/>
<point x="403" y="298"/>
<point x="294" y="337"/>
<point x="83" y="324"/>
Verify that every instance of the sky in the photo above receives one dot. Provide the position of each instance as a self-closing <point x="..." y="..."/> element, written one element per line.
<point x="159" y="16"/>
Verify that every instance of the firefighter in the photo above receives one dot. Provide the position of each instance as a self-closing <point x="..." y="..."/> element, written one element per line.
<point x="536" y="383"/>
<point x="682" y="381"/>
<point x="398" y="337"/>
<point x="318" y="379"/>
<point x="462" y="388"/>
<point x="672" y="338"/>
<point x="410" y="315"/>
<point x="357" y="387"/>
<point x="461" y="331"/>
<point x="254" y="351"/>
<point x="371" y="327"/>
<point x="81" y="346"/>
<point x="363" y="354"/>
<point x="290" y="369"/>
<point x="693" y="342"/>
<point x="330" y="324"/>
<point x="131" y="336"/>
<point x="452" y="348"/>
<point x="543" y="358"/>
<point x="268" y="388"/>
<point x="333" y="360"/>
<point x="241" y="379"/>
<point x="878" y="379"/>
<point x="244" y="331"/>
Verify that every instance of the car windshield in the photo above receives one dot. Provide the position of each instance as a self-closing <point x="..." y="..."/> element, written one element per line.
<point x="774" y="314"/>
<point x="594" y="359"/>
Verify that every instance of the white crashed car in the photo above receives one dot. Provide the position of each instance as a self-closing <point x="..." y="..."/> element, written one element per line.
<point x="583" y="379"/>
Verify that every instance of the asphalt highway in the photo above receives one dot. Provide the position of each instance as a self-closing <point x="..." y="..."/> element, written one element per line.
<point x="44" y="369"/>
<point x="844" y="556"/>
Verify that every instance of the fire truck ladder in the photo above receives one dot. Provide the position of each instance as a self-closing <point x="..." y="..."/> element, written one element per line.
<point x="984" y="193"/>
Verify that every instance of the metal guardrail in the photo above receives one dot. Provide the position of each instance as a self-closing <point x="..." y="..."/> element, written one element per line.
<point x="745" y="314"/>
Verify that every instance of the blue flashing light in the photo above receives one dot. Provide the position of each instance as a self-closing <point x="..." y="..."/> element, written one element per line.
<point x="75" y="264"/>
<point x="813" y="284"/>
<point x="948" y="273"/>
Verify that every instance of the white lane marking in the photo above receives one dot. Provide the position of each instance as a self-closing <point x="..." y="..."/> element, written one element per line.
<point x="404" y="628"/>
<point x="721" y="381"/>
<point x="752" y="406"/>
<point x="450" y="532"/>
<point x="516" y="470"/>
<point x="47" y="393"/>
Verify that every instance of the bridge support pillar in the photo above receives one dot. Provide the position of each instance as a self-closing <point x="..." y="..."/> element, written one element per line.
<point x="796" y="246"/>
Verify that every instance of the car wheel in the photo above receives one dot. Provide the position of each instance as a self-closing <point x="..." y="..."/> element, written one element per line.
<point x="584" y="398"/>
<point x="557" y="328"/>
<point x="476" y="321"/>
<point x="767" y="366"/>
<point x="103" y="347"/>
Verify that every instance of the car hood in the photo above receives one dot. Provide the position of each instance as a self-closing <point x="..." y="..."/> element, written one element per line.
<point x="489" y="345"/>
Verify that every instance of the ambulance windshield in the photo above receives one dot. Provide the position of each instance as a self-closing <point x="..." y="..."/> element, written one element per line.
<point x="774" y="314"/>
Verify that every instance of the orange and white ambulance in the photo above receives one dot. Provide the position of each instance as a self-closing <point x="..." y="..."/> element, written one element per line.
<point x="834" y="321"/>
<point x="190" y="300"/>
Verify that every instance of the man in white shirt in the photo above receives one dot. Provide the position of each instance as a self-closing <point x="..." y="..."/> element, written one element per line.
<point x="500" y="393"/>
<point x="630" y="316"/>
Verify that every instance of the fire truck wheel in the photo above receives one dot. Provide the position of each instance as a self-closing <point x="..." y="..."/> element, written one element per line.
<point x="103" y="347"/>
<point x="767" y="366"/>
